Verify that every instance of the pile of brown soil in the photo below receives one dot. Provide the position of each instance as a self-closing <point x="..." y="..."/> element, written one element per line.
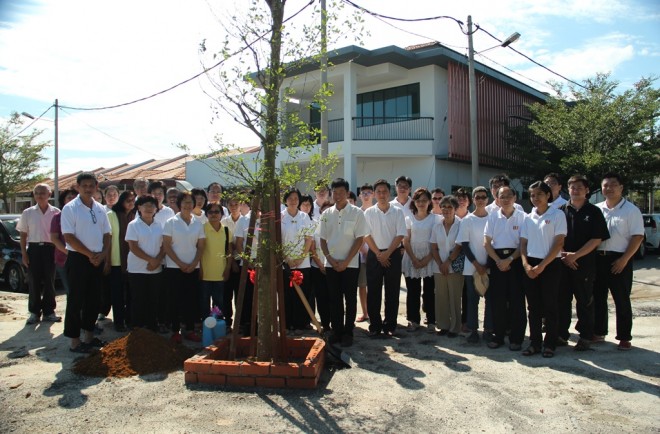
<point x="138" y="353"/>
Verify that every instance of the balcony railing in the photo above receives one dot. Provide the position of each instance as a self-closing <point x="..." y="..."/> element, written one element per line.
<point x="392" y="128"/>
<point x="335" y="130"/>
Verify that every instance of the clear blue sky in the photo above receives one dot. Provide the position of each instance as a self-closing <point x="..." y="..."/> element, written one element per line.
<point x="88" y="54"/>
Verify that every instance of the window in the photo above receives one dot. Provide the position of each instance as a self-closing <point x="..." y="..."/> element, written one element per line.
<point x="388" y="105"/>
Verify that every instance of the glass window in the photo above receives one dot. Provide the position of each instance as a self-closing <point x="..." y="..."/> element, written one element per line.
<point x="388" y="105"/>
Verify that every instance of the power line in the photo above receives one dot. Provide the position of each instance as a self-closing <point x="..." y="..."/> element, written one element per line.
<point x="510" y="70"/>
<point x="112" y="137"/>
<point x="191" y="78"/>
<point x="30" y="124"/>
<point x="532" y="60"/>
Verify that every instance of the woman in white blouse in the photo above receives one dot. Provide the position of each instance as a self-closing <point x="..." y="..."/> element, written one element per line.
<point x="448" y="283"/>
<point x="417" y="263"/>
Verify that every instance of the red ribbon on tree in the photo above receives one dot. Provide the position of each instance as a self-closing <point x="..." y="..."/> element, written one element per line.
<point x="253" y="275"/>
<point x="296" y="277"/>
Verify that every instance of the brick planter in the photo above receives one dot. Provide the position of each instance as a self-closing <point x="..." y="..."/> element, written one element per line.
<point x="211" y="367"/>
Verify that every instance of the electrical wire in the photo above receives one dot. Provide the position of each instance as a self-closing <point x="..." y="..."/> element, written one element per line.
<point x="112" y="137"/>
<point x="532" y="60"/>
<point x="511" y="70"/>
<point x="375" y="14"/>
<point x="31" y="123"/>
<point x="204" y="71"/>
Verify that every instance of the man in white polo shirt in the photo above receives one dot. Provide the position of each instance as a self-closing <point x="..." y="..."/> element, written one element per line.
<point x="553" y="181"/>
<point x="87" y="234"/>
<point x="38" y="255"/>
<point x="387" y="228"/>
<point x="342" y="229"/>
<point x="614" y="260"/>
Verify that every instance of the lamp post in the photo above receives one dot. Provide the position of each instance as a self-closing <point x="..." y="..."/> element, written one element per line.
<point x="56" y="184"/>
<point x="474" y="142"/>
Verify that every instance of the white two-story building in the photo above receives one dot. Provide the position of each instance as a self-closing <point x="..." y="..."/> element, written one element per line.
<point x="397" y="111"/>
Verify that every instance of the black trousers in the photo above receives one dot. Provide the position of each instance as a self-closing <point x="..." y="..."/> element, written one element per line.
<point x="183" y="298"/>
<point x="41" y="278"/>
<point x="342" y="288"/>
<point x="377" y="275"/>
<point x="414" y="288"/>
<point x="146" y="289"/>
<point x="82" y="302"/>
<point x="295" y="312"/>
<point x="508" y="300"/>
<point x="320" y="285"/>
<point x="578" y="283"/>
<point x="620" y="285"/>
<point x="541" y="296"/>
<point x="230" y="292"/>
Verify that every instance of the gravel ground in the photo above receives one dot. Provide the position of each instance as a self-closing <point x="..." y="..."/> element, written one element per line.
<point x="415" y="382"/>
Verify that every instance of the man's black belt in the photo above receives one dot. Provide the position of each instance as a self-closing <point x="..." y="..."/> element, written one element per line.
<point x="41" y="244"/>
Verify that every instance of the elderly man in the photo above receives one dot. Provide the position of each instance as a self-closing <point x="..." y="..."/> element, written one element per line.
<point x="38" y="255"/>
<point x="614" y="260"/>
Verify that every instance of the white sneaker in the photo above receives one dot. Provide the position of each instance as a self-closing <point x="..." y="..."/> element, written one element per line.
<point x="431" y="328"/>
<point x="52" y="318"/>
<point x="33" y="319"/>
<point x="412" y="327"/>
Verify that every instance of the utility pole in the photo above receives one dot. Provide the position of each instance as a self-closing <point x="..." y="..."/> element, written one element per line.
<point x="56" y="183"/>
<point x="474" y="143"/>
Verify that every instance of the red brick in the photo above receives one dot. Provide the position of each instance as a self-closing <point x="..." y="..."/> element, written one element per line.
<point x="191" y="377"/>
<point x="298" y="353"/>
<point x="261" y="369"/>
<point x="225" y="367"/>
<point x="310" y="369"/>
<point x="301" y="383"/>
<point x="199" y="366"/>
<point x="279" y="369"/>
<point x="271" y="382"/>
<point x="215" y="379"/>
<point x="240" y="381"/>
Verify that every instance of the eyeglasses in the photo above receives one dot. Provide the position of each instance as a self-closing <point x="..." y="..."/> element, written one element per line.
<point x="366" y="193"/>
<point x="437" y="198"/>
<point x="447" y="207"/>
<point x="91" y="211"/>
<point x="480" y="197"/>
<point x="506" y="196"/>
<point x="403" y="186"/>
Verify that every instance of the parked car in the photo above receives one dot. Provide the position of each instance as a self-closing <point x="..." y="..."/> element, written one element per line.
<point x="12" y="269"/>
<point x="651" y="226"/>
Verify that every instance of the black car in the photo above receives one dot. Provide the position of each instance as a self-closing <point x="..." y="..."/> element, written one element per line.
<point x="12" y="269"/>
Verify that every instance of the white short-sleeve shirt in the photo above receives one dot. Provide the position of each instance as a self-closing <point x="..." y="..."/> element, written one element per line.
<point x="162" y="216"/>
<point x="228" y="221"/>
<point x="340" y="228"/>
<point x="504" y="232"/>
<point x="623" y="221"/>
<point x="385" y="226"/>
<point x="407" y="212"/>
<point x="472" y="231"/>
<point x="445" y="241"/>
<point x="184" y="238"/>
<point x="558" y="202"/>
<point x="89" y="225"/>
<point x="495" y="207"/>
<point x="36" y="224"/>
<point x="295" y="230"/>
<point x="541" y="230"/>
<point x="149" y="239"/>
<point x="242" y="226"/>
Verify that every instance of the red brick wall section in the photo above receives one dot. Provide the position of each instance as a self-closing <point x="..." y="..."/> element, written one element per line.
<point x="209" y="366"/>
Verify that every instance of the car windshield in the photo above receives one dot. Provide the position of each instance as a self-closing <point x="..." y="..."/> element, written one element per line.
<point x="11" y="228"/>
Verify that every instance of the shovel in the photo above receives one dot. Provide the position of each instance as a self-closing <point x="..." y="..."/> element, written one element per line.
<point x="342" y="359"/>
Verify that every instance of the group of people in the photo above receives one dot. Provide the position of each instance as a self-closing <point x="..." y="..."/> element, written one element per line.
<point x="161" y="258"/>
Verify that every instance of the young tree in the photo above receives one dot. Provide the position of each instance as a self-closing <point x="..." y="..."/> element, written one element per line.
<point x="258" y="53"/>
<point x="20" y="156"/>
<point x="595" y="130"/>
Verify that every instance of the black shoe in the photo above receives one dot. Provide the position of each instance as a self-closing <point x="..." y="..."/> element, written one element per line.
<point x="561" y="342"/>
<point x="452" y="335"/>
<point x="473" y="338"/>
<point x="443" y="332"/>
<point x="373" y="334"/>
<point x="334" y="339"/>
<point x="582" y="345"/>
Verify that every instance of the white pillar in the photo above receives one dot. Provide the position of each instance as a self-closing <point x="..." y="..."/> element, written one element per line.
<point x="350" y="102"/>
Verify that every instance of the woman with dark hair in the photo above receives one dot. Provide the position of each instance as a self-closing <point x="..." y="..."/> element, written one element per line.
<point x="122" y="213"/>
<point x="297" y="232"/>
<point x="183" y="242"/>
<point x="541" y="240"/>
<point x="216" y="259"/>
<point x="417" y="262"/>
<point x="307" y="205"/>
<point x="145" y="241"/>
<point x="199" y="195"/>
<point x="57" y="238"/>
<point x="448" y="280"/>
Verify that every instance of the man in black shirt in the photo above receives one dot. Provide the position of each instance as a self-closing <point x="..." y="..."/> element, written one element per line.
<point x="586" y="230"/>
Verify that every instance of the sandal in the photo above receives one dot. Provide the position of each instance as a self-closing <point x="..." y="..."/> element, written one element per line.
<point x="548" y="353"/>
<point x="362" y="318"/>
<point x="530" y="351"/>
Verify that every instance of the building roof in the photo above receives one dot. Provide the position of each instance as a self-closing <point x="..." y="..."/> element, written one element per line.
<point x="414" y="56"/>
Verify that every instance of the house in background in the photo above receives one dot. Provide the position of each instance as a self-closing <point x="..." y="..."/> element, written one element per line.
<point x="397" y="111"/>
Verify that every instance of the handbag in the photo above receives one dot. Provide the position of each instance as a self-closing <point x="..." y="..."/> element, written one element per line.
<point x="458" y="264"/>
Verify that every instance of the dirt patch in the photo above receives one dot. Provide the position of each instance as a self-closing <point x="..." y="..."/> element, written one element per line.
<point x="4" y="308"/>
<point x="140" y="352"/>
